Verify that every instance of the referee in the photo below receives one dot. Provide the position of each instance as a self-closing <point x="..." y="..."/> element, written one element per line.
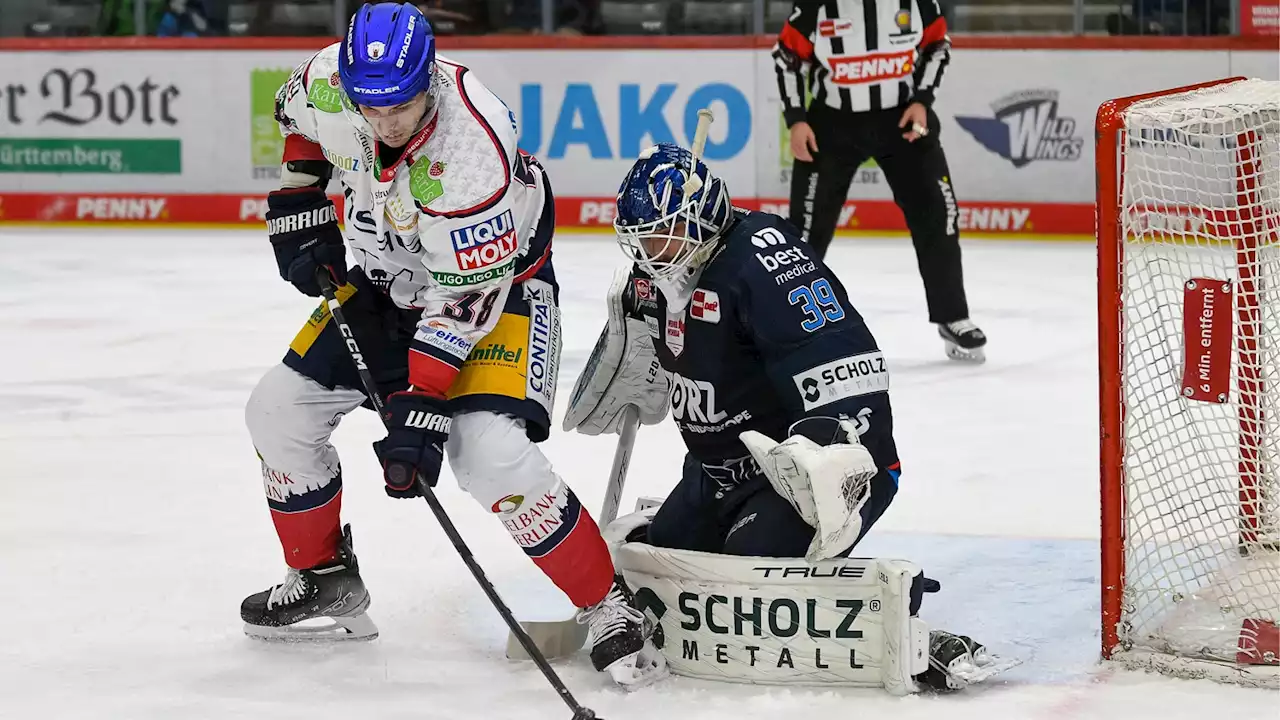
<point x="872" y="67"/>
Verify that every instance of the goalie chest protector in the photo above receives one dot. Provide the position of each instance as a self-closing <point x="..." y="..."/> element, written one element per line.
<point x="765" y="310"/>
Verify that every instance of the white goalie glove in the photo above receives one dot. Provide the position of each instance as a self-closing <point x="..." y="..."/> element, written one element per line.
<point x="622" y="370"/>
<point x="827" y="482"/>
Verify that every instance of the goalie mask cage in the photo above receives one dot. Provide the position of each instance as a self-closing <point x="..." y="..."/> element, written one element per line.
<point x="1188" y="222"/>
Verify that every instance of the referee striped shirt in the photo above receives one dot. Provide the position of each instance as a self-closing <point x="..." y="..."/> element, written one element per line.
<point x="861" y="55"/>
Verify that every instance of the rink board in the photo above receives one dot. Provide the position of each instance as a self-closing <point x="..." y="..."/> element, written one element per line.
<point x="136" y="125"/>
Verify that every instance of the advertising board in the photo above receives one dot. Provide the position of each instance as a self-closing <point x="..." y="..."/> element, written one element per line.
<point x="157" y="135"/>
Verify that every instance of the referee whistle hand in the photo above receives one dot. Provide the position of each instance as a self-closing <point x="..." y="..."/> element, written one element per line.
<point x="916" y="121"/>
<point x="803" y="142"/>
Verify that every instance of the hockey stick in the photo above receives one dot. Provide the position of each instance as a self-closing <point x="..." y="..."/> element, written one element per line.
<point x="442" y="517"/>
<point x="557" y="638"/>
<point x="621" y="462"/>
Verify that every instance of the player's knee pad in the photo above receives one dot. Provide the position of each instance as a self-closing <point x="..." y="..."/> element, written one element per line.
<point x="493" y="458"/>
<point x="290" y="418"/>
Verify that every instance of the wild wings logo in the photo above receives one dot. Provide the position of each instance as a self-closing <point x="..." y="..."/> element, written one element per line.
<point x="1026" y="127"/>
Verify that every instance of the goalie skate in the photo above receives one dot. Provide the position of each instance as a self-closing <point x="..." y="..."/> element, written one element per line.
<point x="620" y="639"/>
<point x="321" y="604"/>
<point x="957" y="661"/>
<point x="964" y="341"/>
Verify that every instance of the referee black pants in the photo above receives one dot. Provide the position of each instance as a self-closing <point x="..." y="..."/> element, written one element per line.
<point x="921" y="182"/>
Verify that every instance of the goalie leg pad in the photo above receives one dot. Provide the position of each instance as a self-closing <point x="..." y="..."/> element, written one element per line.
<point x="781" y="621"/>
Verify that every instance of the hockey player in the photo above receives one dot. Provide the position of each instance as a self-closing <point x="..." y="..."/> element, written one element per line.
<point x="756" y="339"/>
<point x="453" y="301"/>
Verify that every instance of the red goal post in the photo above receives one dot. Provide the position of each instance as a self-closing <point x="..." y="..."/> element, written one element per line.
<point x="1188" y="215"/>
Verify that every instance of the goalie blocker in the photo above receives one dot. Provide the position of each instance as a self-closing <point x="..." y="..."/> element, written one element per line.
<point x="778" y="621"/>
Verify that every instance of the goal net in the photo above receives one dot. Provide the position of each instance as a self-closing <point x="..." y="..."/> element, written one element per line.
<point x="1189" y="349"/>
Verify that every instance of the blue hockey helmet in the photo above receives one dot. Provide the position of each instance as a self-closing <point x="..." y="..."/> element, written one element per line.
<point x="388" y="55"/>
<point x="671" y="211"/>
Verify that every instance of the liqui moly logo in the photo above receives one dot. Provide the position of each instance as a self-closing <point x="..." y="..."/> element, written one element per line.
<point x="486" y="243"/>
<point x="863" y="69"/>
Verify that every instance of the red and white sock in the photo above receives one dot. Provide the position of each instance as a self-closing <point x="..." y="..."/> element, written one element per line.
<point x="562" y="538"/>
<point x="306" y="517"/>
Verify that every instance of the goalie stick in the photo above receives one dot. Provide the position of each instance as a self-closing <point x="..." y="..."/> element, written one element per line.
<point x="559" y="638"/>
<point x="428" y="493"/>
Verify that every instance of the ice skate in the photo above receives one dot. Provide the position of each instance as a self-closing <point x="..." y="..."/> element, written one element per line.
<point x="964" y="340"/>
<point x="620" y="639"/>
<point x="957" y="661"/>
<point x="324" y="603"/>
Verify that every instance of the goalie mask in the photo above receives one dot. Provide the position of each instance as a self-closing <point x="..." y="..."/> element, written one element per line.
<point x="671" y="214"/>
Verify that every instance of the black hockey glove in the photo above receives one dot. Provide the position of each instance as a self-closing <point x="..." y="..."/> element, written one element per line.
<point x="303" y="225"/>
<point x="417" y="426"/>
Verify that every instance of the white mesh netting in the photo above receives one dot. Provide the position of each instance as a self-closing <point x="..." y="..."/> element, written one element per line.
<point x="1200" y="190"/>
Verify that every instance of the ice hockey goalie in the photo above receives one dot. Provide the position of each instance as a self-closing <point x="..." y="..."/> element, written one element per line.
<point x="781" y="395"/>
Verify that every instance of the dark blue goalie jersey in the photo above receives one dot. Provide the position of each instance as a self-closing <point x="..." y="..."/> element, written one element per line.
<point x="769" y="337"/>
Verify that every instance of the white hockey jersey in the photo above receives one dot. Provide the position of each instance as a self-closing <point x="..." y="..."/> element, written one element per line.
<point x="450" y="226"/>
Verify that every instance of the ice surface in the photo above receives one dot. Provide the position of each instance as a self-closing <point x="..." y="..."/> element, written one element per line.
<point x="132" y="520"/>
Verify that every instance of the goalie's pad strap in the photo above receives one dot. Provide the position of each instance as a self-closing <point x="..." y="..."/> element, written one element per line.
<point x="779" y="621"/>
